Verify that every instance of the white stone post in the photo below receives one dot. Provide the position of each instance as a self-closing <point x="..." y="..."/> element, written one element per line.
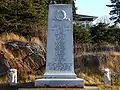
<point x="107" y="76"/>
<point x="13" y="76"/>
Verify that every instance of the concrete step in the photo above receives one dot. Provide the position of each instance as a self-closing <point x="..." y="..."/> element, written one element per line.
<point x="85" y="88"/>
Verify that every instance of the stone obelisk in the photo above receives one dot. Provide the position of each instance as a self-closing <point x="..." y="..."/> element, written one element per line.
<point x="60" y="61"/>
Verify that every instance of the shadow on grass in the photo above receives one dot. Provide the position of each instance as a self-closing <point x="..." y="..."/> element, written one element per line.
<point x="15" y="87"/>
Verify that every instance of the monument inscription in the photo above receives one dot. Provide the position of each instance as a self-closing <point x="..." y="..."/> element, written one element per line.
<point x="60" y="40"/>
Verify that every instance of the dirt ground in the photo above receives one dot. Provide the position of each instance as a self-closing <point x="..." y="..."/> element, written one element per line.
<point x="22" y="85"/>
<point x="31" y="85"/>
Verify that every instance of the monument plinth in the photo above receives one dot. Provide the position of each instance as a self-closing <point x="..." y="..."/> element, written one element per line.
<point x="60" y="61"/>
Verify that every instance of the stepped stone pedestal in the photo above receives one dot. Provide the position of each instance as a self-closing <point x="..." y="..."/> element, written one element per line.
<point x="60" y="64"/>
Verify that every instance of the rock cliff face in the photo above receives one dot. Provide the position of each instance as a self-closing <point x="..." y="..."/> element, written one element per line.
<point x="3" y="64"/>
<point x="24" y="56"/>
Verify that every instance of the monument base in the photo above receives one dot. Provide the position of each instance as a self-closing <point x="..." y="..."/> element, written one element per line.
<point x="59" y="83"/>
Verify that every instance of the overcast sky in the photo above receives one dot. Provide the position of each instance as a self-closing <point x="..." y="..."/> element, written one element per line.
<point x="93" y="7"/>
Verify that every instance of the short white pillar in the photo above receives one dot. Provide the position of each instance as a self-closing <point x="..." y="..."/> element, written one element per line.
<point x="107" y="76"/>
<point x="13" y="76"/>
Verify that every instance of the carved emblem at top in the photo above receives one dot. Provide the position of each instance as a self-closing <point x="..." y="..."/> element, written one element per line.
<point x="61" y="15"/>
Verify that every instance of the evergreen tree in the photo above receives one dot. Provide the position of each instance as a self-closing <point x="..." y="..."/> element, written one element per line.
<point x="74" y="10"/>
<point x="115" y="12"/>
<point x="81" y="35"/>
<point x="19" y="16"/>
<point x="99" y="33"/>
<point x="39" y="9"/>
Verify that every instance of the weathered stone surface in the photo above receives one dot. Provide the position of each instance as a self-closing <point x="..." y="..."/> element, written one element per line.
<point x="60" y="83"/>
<point x="90" y="60"/>
<point x="31" y="52"/>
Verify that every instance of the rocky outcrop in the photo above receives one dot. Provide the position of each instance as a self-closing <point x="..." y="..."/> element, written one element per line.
<point x="24" y="56"/>
<point x="91" y="60"/>
<point x="3" y="64"/>
<point x="31" y="50"/>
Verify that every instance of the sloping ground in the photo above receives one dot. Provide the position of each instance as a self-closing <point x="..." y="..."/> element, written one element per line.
<point x="92" y="59"/>
<point x="90" y="66"/>
<point x="27" y="56"/>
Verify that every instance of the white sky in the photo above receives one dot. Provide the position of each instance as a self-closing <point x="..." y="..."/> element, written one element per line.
<point x="93" y="7"/>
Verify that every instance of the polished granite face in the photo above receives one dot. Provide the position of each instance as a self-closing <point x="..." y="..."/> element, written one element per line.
<point x="60" y="40"/>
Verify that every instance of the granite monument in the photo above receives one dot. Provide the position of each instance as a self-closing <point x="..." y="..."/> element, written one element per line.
<point x="60" y="60"/>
